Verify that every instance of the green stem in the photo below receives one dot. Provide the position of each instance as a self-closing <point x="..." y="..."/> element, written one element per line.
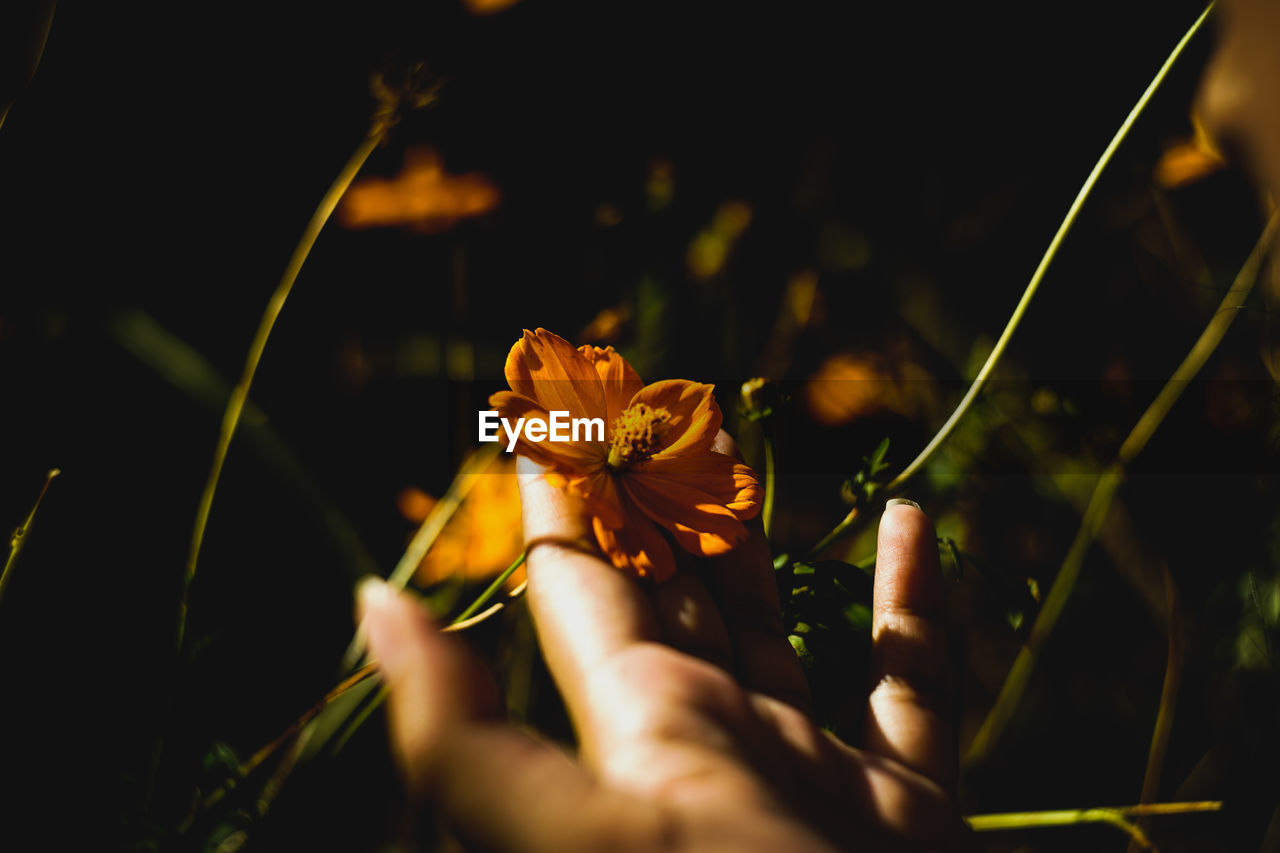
<point x="1016" y="682"/>
<point x="492" y="589"/>
<point x="361" y="716"/>
<point x="440" y="514"/>
<point x="19" y="537"/>
<point x="240" y="394"/>
<point x="836" y="532"/>
<point x="766" y="513"/>
<point x="1168" y="695"/>
<point x="483" y="599"/>
<point x="1072" y="214"/>
<point x="1117" y="817"/>
<point x="427" y="534"/>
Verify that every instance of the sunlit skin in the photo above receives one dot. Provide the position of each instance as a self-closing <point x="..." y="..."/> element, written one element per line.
<point x="1240" y="93"/>
<point x="689" y="704"/>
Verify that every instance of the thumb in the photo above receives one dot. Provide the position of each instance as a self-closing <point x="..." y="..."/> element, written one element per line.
<point x="434" y="685"/>
<point x="500" y="789"/>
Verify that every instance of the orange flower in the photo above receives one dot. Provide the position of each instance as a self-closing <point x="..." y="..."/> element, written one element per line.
<point x="423" y="196"/>
<point x="654" y="468"/>
<point x="483" y="537"/>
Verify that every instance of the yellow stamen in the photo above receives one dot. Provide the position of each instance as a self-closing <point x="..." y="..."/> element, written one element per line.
<point x="637" y="433"/>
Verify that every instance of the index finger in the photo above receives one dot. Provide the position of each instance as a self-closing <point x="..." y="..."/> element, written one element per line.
<point x="585" y="610"/>
<point x="450" y="756"/>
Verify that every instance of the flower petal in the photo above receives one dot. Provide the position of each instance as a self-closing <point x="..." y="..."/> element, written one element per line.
<point x="599" y="491"/>
<point x="636" y="547"/>
<point x="695" y="415"/>
<point x="568" y="457"/>
<point x="724" y="479"/>
<point x="701" y="525"/>
<point x="547" y="369"/>
<point x="620" y="380"/>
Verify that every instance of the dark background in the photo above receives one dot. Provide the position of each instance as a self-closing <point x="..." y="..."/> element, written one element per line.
<point x="164" y="160"/>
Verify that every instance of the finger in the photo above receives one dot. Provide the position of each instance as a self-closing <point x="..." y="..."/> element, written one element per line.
<point x="907" y="712"/>
<point x="744" y="584"/>
<point x="689" y="617"/>
<point x="498" y="788"/>
<point x="857" y="797"/>
<point x="585" y="610"/>
<point x="909" y="810"/>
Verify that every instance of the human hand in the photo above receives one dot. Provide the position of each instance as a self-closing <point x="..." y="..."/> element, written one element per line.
<point x="688" y="702"/>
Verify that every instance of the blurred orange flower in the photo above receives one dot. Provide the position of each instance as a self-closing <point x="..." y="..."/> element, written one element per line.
<point x="1189" y="160"/>
<point x="849" y="386"/>
<point x="654" y="467"/>
<point x="484" y="535"/>
<point x="607" y="325"/>
<point x="1186" y="163"/>
<point x="422" y="196"/>
<point x="488" y="7"/>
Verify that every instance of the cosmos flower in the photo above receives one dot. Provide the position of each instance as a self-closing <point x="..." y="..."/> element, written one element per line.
<point x="653" y="475"/>
<point x="423" y="196"/>
<point x="482" y="537"/>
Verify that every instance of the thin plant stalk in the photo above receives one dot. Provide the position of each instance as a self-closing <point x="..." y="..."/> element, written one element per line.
<point x="464" y="620"/>
<point x="1118" y="817"/>
<point x="492" y="589"/>
<point x="1168" y="696"/>
<point x="361" y="716"/>
<point x="39" y="21"/>
<point x="240" y="394"/>
<point x="427" y="534"/>
<point x="1027" y="295"/>
<point x="19" y="537"/>
<point x="836" y="532"/>
<point x="1100" y="502"/>
<point x="362" y="674"/>
<point x="440" y="515"/>
<point x="256" y="760"/>
<point x="770" y="484"/>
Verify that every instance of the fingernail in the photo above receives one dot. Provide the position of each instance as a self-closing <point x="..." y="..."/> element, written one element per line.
<point x="901" y="502"/>
<point x="375" y="603"/>
<point x="371" y="592"/>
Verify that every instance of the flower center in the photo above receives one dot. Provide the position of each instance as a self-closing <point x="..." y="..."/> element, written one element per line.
<point x="636" y="435"/>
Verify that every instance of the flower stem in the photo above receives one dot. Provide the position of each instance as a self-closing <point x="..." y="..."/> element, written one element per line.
<point x="1117" y="817"/>
<point x="440" y="515"/>
<point x="240" y="394"/>
<point x="492" y="590"/>
<point x="364" y="672"/>
<point x="1168" y="694"/>
<point x="256" y="760"/>
<point x="1100" y="502"/>
<point x="466" y="619"/>
<point x="427" y="534"/>
<point x="836" y="532"/>
<point x="1072" y="214"/>
<point x="766" y="513"/>
<point x="19" y="536"/>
